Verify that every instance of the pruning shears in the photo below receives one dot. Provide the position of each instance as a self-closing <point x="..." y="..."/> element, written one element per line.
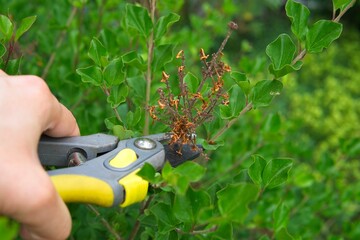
<point x="101" y="170"/>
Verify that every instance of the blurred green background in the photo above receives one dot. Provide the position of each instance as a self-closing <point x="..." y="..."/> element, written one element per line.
<point x="315" y="121"/>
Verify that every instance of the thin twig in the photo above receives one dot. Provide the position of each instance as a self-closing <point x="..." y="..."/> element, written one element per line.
<point x="58" y="43"/>
<point x="149" y="72"/>
<point x="197" y="232"/>
<point x="105" y="222"/>
<point x="137" y="223"/>
<point x="247" y="108"/>
<point x="337" y="19"/>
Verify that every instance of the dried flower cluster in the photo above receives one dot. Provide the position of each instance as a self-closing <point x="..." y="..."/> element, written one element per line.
<point x="184" y="112"/>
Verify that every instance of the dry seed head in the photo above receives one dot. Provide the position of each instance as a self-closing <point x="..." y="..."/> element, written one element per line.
<point x="165" y="77"/>
<point x="203" y="56"/>
<point x="180" y="54"/>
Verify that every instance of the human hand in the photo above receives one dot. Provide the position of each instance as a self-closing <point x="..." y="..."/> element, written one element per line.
<point x="28" y="109"/>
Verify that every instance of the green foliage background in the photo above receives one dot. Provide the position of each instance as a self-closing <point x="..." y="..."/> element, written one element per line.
<point x="315" y="120"/>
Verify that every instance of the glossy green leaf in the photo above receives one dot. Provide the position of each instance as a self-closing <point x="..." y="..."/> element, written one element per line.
<point x="133" y="59"/>
<point x="234" y="199"/>
<point x="118" y="95"/>
<point x="9" y="229"/>
<point x="6" y="27"/>
<point x="163" y="24"/>
<point x="210" y="147"/>
<point x="138" y="18"/>
<point x="281" y="216"/>
<point x="276" y="172"/>
<point x="91" y="75"/>
<point x="133" y="118"/>
<point x="264" y="91"/>
<point x="191" y="170"/>
<point x="148" y="172"/>
<point x="122" y="133"/>
<point x="113" y="73"/>
<point x="278" y="73"/>
<point x="236" y="103"/>
<point x="299" y="16"/>
<point x="241" y="80"/>
<point x="98" y="53"/>
<point x="13" y="66"/>
<point x="192" y="82"/>
<point x="25" y="25"/>
<point x="321" y="35"/>
<point x="341" y="4"/>
<point x="256" y="169"/>
<point x="281" y="51"/>
<point x="163" y="54"/>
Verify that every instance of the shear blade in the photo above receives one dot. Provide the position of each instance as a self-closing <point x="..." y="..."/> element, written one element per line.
<point x="187" y="153"/>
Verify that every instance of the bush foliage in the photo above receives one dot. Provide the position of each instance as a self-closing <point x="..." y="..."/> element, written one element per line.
<point x="282" y="145"/>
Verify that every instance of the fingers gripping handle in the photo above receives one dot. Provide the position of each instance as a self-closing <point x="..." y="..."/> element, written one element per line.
<point x="93" y="183"/>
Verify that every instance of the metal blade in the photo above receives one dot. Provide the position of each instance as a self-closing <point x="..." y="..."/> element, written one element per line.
<point x="188" y="152"/>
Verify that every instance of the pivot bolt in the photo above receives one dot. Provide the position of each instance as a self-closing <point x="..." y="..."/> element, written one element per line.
<point x="145" y="143"/>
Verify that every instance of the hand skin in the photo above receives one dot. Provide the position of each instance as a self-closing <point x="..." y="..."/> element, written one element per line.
<point x="28" y="109"/>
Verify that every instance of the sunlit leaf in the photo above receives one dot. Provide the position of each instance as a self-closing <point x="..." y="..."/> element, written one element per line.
<point x="281" y="215"/>
<point x="321" y="35"/>
<point x="98" y="53"/>
<point x="241" y="80"/>
<point x="113" y="73"/>
<point x="164" y="23"/>
<point x="341" y="4"/>
<point x="256" y="169"/>
<point x="91" y="75"/>
<point x="264" y="91"/>
<point x="192" y="82"/>
<point x="299" y="15"/>
<point x="6" y="27"/>
<point x="25" y="25"/>
<point x="276" y="172"/>
<point x="138" y="18"/>
<point x="118" y="95"/>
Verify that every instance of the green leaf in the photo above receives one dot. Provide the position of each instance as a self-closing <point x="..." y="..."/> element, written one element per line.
<point x="91" y="75"/>
<point x="272" y="123"/>
<point x="113" y="73"/>
<point x="278" y="73"/>
<point x="192" y="82"/>
<point x="281" y="51"/>
<point x="13" y="66"/>
<point x="98" y="53"/>
<point x="299" y="16"/>
<point x="283" y="234"/>
<point x="9" y="229"/>
<point x="236" y="103"/>
<point x="133" y="59"/>
<point x="165" y="217"/>
<point x="321" y="35"/>
<point x="118" y="95"/>
<point x="256" y="169"/>
<point x="6" y="27"/>
<point x="25" y="25"/>
<point x="163" y="54"/>
<point x="276" y="172"/>
<point x="122" y="133"/>
<point x="164" y="23"/>
<point x="2" y="50"/>
<point x="138" y="18"/>
<point x="133" y="118"/>
<point x="187" y="207"/>
<point x="234" y="199"/>
<point x="341" y="4"/>
<point x="211" y="146"/>
<point x="281" y="216"/>
<point x="242" y="81"/>
<point x="191" y="170"/>
<point x="148" y="172"/>
<point x="264" y="91"/>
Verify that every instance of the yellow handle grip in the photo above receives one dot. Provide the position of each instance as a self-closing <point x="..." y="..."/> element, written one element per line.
<point x="84" y="189"/>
